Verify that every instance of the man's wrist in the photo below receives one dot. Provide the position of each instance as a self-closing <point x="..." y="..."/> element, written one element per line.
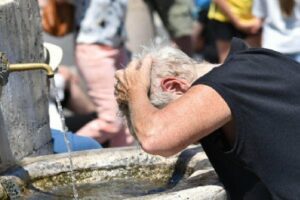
<point x="136" y="91"/>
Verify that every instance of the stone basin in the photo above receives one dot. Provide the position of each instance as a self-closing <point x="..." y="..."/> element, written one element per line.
<point x="115" y="173"/>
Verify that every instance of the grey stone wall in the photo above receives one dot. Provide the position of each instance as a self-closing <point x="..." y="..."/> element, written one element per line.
<point x="24" y="121"/>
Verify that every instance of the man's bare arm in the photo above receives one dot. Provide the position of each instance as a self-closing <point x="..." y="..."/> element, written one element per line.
<point x="166" y="131"/>
<point x="169" y="130"/>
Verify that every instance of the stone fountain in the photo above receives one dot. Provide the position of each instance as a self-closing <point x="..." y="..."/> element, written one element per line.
<point x="118" y="173"/>
<point x="29" y="170"/>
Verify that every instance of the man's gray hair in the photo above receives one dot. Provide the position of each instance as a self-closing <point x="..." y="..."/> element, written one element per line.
<point x="167" y="62"/>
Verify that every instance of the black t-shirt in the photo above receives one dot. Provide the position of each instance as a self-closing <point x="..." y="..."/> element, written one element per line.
<point x="262" y="89"/>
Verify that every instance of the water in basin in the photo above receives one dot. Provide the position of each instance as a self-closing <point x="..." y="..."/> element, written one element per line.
<point x="114" y="184"/>
<point x="113" y="189"/>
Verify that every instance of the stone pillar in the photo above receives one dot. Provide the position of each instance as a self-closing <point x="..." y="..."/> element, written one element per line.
<point x="24" y="120"/>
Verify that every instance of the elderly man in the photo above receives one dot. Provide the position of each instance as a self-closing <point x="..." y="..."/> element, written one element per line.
<point x="245" y="112"/>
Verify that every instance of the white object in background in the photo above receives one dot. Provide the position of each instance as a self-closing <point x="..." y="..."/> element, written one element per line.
<point x="53" y="55"/>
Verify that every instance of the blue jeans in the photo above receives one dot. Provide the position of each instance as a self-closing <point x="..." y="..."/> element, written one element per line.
<point x="77" y="143"/>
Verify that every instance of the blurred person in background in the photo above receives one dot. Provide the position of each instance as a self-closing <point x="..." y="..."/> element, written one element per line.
<point x="232" y="18"/>
<point x="67" y="90"/>
<point x="203" y="42"/>
<point x="176" y="16"/>
<point x="281" y="25"/>
<point x="100" y="36"/>
<point x="99" y="53"/>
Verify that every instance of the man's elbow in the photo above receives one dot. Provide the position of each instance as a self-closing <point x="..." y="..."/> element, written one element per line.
<point x="154" y="147"/>
<point x="153" y="143"/>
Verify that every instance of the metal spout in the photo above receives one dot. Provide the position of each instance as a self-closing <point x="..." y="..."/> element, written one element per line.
<point x="31" y="66"/>
<point x="6" y="68"/>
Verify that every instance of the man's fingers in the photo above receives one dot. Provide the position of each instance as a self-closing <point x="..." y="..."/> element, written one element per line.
<point x="147" y="63"/>
<point x="120" y="89"/>
<point x="119" y="74"/>
<point x="127" y="78"/>
<point x="137" y="64"/>
<point x="134" y="64"/>
<point x="119" y="77"/>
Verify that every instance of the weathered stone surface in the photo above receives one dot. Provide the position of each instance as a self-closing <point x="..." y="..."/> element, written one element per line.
<point x="24" y="127"/>
<point x="3" y="194"/>
<point x="209" y="192"/>
<point x="197" y="178"/>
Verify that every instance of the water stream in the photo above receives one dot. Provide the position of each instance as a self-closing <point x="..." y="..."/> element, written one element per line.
<point x="67" y="142"/>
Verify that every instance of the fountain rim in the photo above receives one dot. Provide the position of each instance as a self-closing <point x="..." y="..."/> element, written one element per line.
<point x="36" y="167"/>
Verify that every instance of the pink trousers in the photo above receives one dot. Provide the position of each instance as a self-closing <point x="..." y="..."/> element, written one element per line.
<point x="97" y="65"/>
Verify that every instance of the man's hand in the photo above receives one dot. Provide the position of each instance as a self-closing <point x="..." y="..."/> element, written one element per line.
<point x="133" y="80"/>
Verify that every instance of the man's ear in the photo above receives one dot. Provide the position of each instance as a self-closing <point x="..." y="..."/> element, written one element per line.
<point x="174" y="85"/>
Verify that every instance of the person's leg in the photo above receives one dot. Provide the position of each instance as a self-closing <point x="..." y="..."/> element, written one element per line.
<point x="97" y="65"/>
<point x="177" y="18"/>
<point x="254" y="40"/>
<point x="77" y="121"/>
<point x="76" y="100"/>
<point x="77" y="143"/>
<point x="139" y="25"/>
<point x="223" y="47"/>
<point x="123" y="137"/>
<point x="184" y="43"/>
<point x="223" y="33"/>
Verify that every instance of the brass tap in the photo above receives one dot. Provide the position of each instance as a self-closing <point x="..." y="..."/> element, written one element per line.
<point x="31" y="66"/>
<point x="6" y="68"/>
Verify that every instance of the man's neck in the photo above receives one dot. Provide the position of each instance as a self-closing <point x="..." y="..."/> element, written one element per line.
<point x="204" y="68"/>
